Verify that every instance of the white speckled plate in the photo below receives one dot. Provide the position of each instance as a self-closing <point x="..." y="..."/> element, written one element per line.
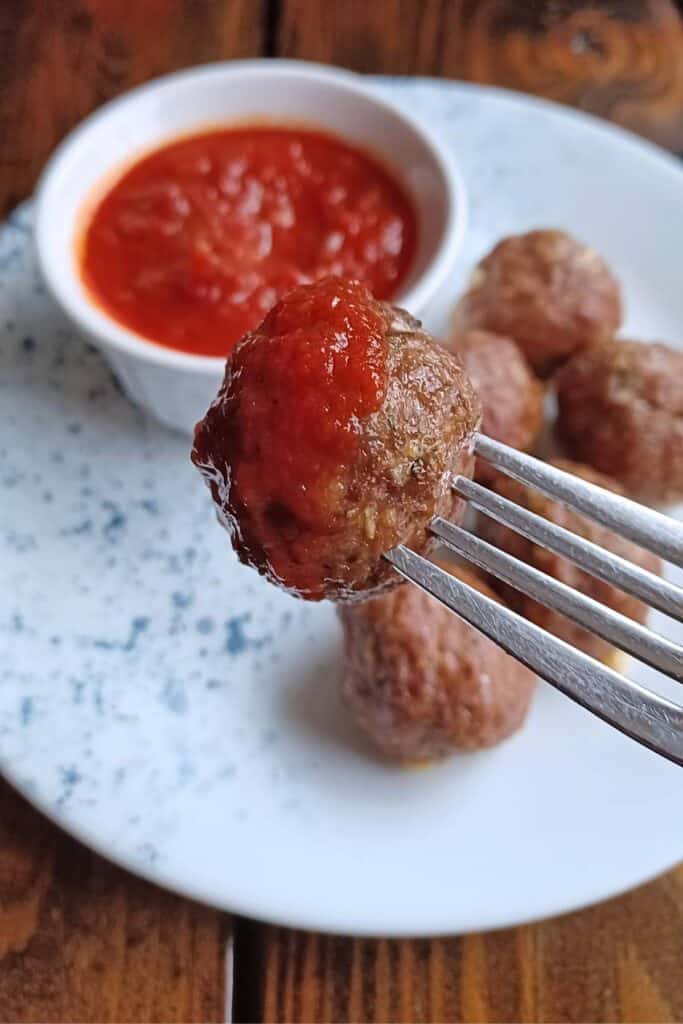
<point x="179" y="715"/>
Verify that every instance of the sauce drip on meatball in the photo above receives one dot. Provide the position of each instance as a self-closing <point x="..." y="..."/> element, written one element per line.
<point x="301" y="384"/>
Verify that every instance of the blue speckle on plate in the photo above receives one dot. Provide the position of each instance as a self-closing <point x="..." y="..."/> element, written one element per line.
<point x="237" y="641"/>
<point x="116" y="522"/>
<point x="150" y="505"/>
<point x="78" y="529"/>
<point x="26" y="710"/>
<point x="70" y="777"/>
<point x="174" y="697"/>
<point x="77" y="690"/>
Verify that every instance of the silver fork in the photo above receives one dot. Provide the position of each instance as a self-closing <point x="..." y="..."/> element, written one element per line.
<point x="645" y="716"/>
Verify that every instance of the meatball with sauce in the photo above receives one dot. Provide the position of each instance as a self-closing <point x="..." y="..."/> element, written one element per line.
<point x="336" y="435"/>
<point x="620" y="409"/>
<point x="560" y="568"/>
<point x="421" y="683"/>
<point x="511" y="396"/>
<point x="548" y="292"/>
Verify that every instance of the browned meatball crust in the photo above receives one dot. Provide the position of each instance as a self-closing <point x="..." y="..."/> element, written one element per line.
<point x="550" y="293"/>
<point x="620" y="409"/>
<point x="312" y="488"/>
<point x="511" y="396"/>
<point x="421" y="683"/>
<point x="560" y="568"/>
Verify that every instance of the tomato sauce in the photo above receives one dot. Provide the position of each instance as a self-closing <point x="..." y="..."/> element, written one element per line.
<point x="313" y="369"/>
<point x="279" y="443"/>
<point x="198" y="240"/>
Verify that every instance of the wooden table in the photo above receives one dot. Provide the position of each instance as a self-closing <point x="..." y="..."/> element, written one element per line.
<point x="83" y="941"/>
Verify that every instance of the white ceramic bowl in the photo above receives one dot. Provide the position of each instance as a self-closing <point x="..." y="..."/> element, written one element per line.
<point x="177" y="387"/>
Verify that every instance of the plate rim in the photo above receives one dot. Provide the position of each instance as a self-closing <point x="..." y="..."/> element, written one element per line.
<point x="304" y="922"/>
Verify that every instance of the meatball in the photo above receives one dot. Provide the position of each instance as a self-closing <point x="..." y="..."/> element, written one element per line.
<point x="511" y="396"/>
<point x="621" y="410"/>
<point x="562" y="569"/>
<point x="550" y="293"/>
<point x="421" y="683"/>
<point x="336" y="435"/>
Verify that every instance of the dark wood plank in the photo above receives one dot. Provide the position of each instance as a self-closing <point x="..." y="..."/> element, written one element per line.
<point x="59" y="59"/>
<point x="617" y="962"/>
<point x="622" y="59"/>
<point x="81" y="940"/>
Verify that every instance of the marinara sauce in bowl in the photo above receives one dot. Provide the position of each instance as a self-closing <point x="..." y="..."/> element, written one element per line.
<point x="173" y="219"/>
<point x="199" y="239"/>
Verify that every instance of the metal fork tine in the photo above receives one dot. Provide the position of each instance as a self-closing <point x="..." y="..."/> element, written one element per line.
<point x="652" y="720"/>
<point x="640" y="583"/>
<point x="629" y="636"/>
<point x="650" y="529"/>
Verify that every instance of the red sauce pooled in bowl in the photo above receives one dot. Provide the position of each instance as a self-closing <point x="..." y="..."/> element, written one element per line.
<point x="198" y="240"/>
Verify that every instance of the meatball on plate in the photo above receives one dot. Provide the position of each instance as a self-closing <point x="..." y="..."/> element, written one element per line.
<point x="549" y="292"/>
<point x="336" y="435"/>
<point x="620" y="409"/>
<point x="421" y="683"/>
<point x="510" y="394"/>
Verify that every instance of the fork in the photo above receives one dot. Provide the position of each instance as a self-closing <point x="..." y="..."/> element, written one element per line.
<point x="645" y="716"/>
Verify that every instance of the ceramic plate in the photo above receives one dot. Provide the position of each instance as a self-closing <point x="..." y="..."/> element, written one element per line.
<point x="180" y="715"/>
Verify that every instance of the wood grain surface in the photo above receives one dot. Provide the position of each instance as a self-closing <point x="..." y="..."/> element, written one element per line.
<point x="59" y="59"/>
<point x="622" y="59"/>
<point x="83" y="941"/>
<point x="622" y="961"/>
